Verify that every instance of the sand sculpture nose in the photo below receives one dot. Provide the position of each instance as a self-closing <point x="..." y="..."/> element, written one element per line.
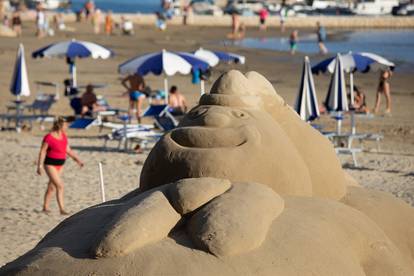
<point x="216" y="119"/>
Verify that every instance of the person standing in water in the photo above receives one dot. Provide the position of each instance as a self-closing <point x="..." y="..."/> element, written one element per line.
<point x="384" y="88"/>
<point x="293" y="41"/>
<point x="321" y="34"/>
<point x="52" y="157"/>
<point x="135" y="86"/>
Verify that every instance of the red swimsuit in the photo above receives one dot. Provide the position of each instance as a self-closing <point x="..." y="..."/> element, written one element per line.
<point x="56" y="150"/>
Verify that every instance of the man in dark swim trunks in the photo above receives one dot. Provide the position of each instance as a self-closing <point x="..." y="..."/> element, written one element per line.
<point x="135" y="86"/>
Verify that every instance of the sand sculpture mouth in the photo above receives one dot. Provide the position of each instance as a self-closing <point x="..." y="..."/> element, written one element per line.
<point x="207" y="137"/>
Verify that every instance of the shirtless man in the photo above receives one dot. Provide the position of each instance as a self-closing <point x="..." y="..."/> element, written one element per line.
<point x="177" y="102"/>
<point x="135" y="85"/>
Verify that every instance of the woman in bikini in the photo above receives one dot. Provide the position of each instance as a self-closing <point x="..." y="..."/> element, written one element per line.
<point x="384" y="88"/>
<point x="52" y="157"/>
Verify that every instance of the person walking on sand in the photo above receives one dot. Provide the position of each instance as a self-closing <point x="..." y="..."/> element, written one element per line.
<point x="96" y="21"/>
<point x="293" y="41"/>
<point x="263" y="14"/>
<point x="384" y="88"/>
<point x="52" y="157"/>
<point x="321" y="34"/>
<point x="135" y="86"/>
<point x="40" y="21"/>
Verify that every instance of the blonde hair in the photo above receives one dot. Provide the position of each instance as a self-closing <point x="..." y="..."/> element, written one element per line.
<point x="58" y="123"/>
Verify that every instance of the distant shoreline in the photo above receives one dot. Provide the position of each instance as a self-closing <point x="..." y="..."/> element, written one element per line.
<point x="250" y="21"/>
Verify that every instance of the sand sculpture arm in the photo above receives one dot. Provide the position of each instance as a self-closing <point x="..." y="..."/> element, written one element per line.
<point x="222" y="218"/>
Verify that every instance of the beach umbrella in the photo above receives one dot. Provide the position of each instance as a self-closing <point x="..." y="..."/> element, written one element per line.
<point x="306" y="104"/>
<point x="20" y="82"/>
<point x="71" y="50"/>
<point x="214" y="57"/>
<point x="165" y="63"/>
<point x="354" y="62"/>
<point x="336" y="100"/>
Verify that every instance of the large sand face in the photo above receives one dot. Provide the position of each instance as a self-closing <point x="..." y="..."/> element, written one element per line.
<point x="243" y="131"/>
<point x="175" y="225"/>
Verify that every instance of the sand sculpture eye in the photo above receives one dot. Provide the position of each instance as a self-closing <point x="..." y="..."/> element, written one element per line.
<point x="239" y="114"/>
<point x="197" y="112"/>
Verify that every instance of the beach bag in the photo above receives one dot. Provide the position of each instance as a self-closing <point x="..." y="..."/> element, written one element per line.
<point x="195" y="77"/>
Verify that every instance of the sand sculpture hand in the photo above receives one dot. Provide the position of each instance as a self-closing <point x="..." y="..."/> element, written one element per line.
<point x="221" y="217"/>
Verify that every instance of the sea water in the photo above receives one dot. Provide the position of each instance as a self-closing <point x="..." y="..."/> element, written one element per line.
<point x="122" y="6"/>
<point x="395" y="45"/>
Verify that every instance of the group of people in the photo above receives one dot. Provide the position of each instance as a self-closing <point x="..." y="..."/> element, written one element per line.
<point x="55" y="147"/>
<point x="360" y="100"/>
<point x="321" y="38"/>
<point x="15" y="23"/>
<point x="138" y="92"/>
<point x="90" y="13"/>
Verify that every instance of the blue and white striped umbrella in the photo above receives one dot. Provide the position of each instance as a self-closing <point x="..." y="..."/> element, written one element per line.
<point x="354" y="62"/>
<point x="306" y="104"/>
<point x="336" y="99"/>
<point x="351" y="62"/>
<point x="20" y="82"/>
<point x="214" y="57"/>
<point x="164" y="62"/>
<point x="73" y="49"/>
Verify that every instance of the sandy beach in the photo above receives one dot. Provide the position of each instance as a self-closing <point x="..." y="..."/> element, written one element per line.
<point x="22" y="223"/>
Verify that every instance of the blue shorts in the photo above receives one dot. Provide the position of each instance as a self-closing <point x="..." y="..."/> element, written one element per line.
<point x="135" y="95"/>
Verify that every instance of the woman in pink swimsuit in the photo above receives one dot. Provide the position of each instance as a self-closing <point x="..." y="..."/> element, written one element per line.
<point x="52" y="157"/>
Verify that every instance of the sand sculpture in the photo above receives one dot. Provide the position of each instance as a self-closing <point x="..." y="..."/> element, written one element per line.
<point x="241" y="187"/>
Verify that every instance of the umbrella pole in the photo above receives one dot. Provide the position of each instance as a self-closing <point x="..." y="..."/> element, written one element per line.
<point x="351" y="87"/>
<point x="18" y="113"/>
<point x="74" y="80"/>
<point x="166" y="89"/>
<point x="353" y="126"/>
<point x="339" y="123"/>
<point x="202" y="88"/>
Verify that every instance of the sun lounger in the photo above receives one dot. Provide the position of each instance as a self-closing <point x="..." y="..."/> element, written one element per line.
<point x="350" y="151"/>
<point x="347" y="139"/>
<point x="142" y="134"/>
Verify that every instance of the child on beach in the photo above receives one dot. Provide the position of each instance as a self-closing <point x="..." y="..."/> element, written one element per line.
<point x="293" y="41"/>
<point x="52" y="157"/>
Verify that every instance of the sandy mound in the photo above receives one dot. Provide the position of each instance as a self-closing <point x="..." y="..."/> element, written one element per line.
<point x="242" y="187"/>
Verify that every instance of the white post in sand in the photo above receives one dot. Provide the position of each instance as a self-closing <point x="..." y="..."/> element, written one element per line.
<point x="202" y="88"/>
<point x="74" y="80"/>
<point x="101" y="181"/>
